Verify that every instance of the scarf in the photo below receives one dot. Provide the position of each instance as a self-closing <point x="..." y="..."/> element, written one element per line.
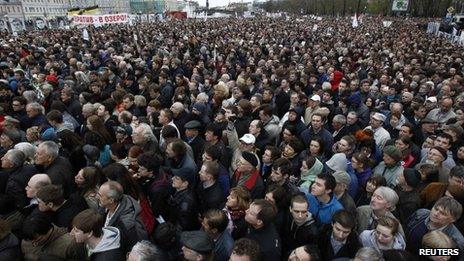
<point x="250" y="182"/>
<point x="236" y="214"/>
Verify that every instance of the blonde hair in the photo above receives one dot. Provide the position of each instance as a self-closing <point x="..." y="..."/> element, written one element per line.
<point x="437" y="239"/>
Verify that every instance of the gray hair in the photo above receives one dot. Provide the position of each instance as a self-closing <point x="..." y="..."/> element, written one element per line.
<point x="146" y="131"/>
<point x="115" y="190"/>
<point x="368" y="254"/>
<point x="51" y="148"/>
<point x="389" y="195"/>
<point x="145" y="251"/>
<point x="28" y="150"/>
<point x="16" y="157"/>
<point x="35" y="106"/>
<point x="30" y="96"/>
<point x="88" y="107"/>
<point x="140" y="100"/>
<point x="202" y="97"/>
<point x="340" y="119"/>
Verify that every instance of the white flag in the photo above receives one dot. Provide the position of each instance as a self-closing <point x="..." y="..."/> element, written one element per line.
<point x="85" y="35"/>
<point x="355" y="21"/>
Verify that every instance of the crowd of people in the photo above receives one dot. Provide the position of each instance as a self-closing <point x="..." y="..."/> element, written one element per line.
<point x="232" y="139"/>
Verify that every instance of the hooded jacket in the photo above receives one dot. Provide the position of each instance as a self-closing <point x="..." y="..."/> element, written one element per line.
<point x="295" y="235"/>
<point x="127" y="219"/>
<point x="308" y="177"/>
<point x="109" y="246"/>
<point x="367" y="239"/>
<point x="323" y="212"/>
<point x="389" y="173"/>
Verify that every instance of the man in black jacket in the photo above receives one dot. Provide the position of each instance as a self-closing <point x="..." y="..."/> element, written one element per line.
<point x="339" y="239"/>
<point x="299" y="227"/>
<point x="51" y="200"/>
<point x="209" y="191"/>
<point x="183" y="204"/>
<point x="18" y="175"/>
<point x="155" y="184"/>
<point x="194" y="139"/>
<point x="59" y="169"/>
<point x="260" y="215"/>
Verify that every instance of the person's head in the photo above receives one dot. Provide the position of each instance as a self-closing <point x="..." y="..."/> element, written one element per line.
<point x="213" y="132"/>
<point x="260" y="213"/>
<point x="110" y="194"/>
<point x="142" y="134"/>
<point x="181" y="179"/>
<point x="391" y="156"/>
<point x="209" y="171"/>
<point x="359" y="161"/>
<point x="324" y="184"/>
<point x="248" y="162"/>
<point x="437" y="155"/>
<point x="214" y="222"/>
<point x="445" y="211"/>
<point x="407" y="129"/>
<point x="338" y="121"/>
<point x="281" y="170"/>
<point x="437" y="239"/>
<point x="456" y="176"/>
<point x="9" y="138"/>
<point x="239" y="198"/>
<point x="384" y="199"/>
<point x="88" y="178"/>
<point x="299" y="208"/>
<point x="265" y="113"/>
<point x="271" y="154"/>
<point x="33" y="109"/>
<point x="343" y="180"/>
<point x="149" y="164"/>
<point x="87" y="224"/>
<point x="176" y="149"/>
<point x="403" y="143"/>
<point x="50" y="197"/>
<point x="386" y="230"/>
<point x="368" y="254"/>
<point x="351" y="118"/>
<point x="13" y="159"/>
<point x="374" y="182"/>
<point x="377" y="119"/>
<point x="305" y="253"/>
<point x="46" y="153"/>
<point x="316" y="146"/>
<point x="35" y="183"/>
<point x="343" y="223"/>
<point x="165" y="117"/>
<point x="346" y="144"/>
<point x="443" y="141"/>
<point x="196" y="245"/>
<point x="317" y="120"/>
<point x="293" y="148"/>
<point x="145" y="250"/>
<point x="245" y="249"/>
<point x="255" y="127"/>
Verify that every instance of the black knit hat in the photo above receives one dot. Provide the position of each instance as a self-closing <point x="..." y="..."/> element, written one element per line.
<point x="251" y="158"/>
<point x="412" y="177"/>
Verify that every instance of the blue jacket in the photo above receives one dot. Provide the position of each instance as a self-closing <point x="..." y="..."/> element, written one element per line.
<point x="323" y="212"/>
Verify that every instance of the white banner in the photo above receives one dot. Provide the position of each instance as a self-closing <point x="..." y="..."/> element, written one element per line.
<point x="400" y="5"/>
<point x="100" y="19"/>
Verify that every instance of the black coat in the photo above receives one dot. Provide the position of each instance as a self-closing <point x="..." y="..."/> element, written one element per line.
<point x="294" y="235"/>
<point x="348" y="250"/>
<point x="17" y="182"/>
<point x="184" y="210"/>
<point x="10" y="248"/>
<point x="268" y="240"/>
<point x="61" y="173"/>
<point x="210" y="198"/>
<point x="157" y="190"/>
<point x="113" y="255"/>
<point x="65" y="214"/>
<point x="198" y="147"/>
<point x="74" y="108"/>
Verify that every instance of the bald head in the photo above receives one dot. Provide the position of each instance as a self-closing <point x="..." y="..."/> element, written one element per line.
<point x="35" y="183"/>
